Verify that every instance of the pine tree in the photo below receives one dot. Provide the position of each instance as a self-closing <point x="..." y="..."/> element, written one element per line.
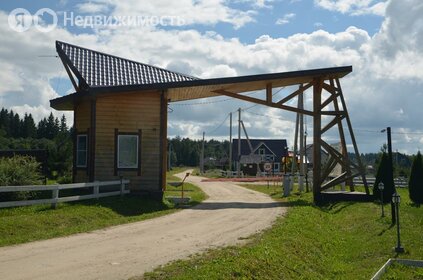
<point x="63" y="126"/>
<point x="415" y="184"/>
<point x="29" y="129"/>
<point x="52" y="127"/>
<point x="384" y="175"/>
<point x="42" y="129"/>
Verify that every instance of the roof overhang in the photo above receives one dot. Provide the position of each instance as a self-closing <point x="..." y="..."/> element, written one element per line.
<point x="187" y="90"/>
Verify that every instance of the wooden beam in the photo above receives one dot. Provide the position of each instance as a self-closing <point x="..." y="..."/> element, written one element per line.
<point x="343" y="161"/>
<point x="76" y="87"/>
<point x="332" y="113"/>
<point x="163" y="140"/>
<point x="331" y="98"/>
<point x="342" y="138"/>
<point x="340" y="179"/>
<point x="335" y="181"/>
<point x="330" y="88"/>
<point x="332" y="123"/>
<point x="357" y="154"/>
<point x="269" y="93"/>
<point x="262" y="102"/>
<point x="295" y="93"/>
<point x="317" y="136"/>
<point x="329" y="166"/>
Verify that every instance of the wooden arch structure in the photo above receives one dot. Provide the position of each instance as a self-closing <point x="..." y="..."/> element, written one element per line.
<point x="107" y="88"/>
<point x="329" y="112"/>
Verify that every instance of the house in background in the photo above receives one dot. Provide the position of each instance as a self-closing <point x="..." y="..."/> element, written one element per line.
<point x="263" y="151"/>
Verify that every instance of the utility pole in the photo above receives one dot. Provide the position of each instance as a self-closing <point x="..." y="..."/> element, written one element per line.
<point x="230" y="144"/>
<point x="238" y="167"/>
<point x="202" y="156"/>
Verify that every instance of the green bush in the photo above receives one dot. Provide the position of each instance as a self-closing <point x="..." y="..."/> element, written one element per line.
<point x="18" y="171"/>
<point x="415" y="184"/>
<point x="384" y="175"/>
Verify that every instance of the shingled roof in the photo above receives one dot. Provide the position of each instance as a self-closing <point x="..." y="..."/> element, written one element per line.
<point x="278" y="147"/>
<point x="96" y="69"/>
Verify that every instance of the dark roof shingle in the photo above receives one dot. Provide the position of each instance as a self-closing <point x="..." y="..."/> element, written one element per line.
<point x="99" y="69"/>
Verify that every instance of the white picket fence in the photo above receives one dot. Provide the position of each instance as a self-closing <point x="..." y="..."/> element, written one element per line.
<point x="55" y="190"/>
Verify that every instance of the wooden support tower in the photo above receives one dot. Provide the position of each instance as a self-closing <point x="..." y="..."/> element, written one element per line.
<point x="328" y="103"/>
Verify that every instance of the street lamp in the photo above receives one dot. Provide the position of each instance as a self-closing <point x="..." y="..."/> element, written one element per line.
<point x="396" y="199"/>
<point x="381" y="187"/>
<point x="391" y="166"/>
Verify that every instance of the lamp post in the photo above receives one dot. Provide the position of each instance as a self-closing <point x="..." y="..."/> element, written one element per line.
<point x="396" y="199"/>
<point x="286" y="184"/>
<point x="381" y="187"/>
<point x="391" y="176"/>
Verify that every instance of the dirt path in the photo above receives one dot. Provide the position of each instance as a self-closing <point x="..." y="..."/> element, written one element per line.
<point x="231" y="212"/>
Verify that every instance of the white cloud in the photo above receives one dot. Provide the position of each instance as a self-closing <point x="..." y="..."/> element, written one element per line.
<point x="92" y="7"/>
<point x="354" y="7"/>
<point x="206" y="12"/>
<point x="384" y="89"/>
<point x="285" y="19"/>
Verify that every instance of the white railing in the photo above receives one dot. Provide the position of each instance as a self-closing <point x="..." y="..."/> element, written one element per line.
<point x="55" y="190"/>
<point x="399" y="182"/>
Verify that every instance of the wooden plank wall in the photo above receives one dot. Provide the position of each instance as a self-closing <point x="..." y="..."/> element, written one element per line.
<point x="129" y="112"/>
<point x="82" y="124"/>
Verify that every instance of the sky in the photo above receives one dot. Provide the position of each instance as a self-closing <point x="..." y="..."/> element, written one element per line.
<point x="382" y="40"/>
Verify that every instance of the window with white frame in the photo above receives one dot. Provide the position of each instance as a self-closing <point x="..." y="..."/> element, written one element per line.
<point x="277" y="166"/>
<point x="127" y="153"/>
<point x="81" y="150"/>
<point x="262" y="151"/>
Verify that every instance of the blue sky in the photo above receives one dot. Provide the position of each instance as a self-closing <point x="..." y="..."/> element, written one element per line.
<point x="381" y="39"/>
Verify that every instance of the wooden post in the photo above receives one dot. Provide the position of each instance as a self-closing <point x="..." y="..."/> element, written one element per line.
<point x="96" y="189"/>
<point x="55" y="197"/>
<point x="202" y="156"/>
<point x="302" y="147"/>
<point x="230" y="144"/>
<point x="317" y="134"/>
<point x="238" y="167"/>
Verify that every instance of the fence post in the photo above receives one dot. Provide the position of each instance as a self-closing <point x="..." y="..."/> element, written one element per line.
<point x="55" y="196"/>
<point x="96" y="189"/>
<point x="122" y="187"/>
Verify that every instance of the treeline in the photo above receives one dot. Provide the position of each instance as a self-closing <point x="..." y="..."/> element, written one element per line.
<point x="51" y="134"/>
<point x="13" y="126"/>
<point x="187" y="152"/>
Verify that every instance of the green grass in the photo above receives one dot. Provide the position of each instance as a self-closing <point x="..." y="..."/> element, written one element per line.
<point x="342" y="240"/>
<point x="30" y="223"/>
<point x="397" y="272"/>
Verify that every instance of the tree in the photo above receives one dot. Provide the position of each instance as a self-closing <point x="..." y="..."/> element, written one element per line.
<point x="63" y="126"/>
<point x="42" y="129"/>
<point x="29" y="129"/>
<point x="415" y="185"/>
<point x="384" y="175"/>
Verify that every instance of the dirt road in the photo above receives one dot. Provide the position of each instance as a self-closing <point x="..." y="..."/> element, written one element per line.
<point x="231" y="212"/>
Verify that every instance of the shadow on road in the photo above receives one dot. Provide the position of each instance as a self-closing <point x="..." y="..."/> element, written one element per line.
<point x="239" y="205"/>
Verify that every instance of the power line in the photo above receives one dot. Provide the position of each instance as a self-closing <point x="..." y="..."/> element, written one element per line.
<point x="393" y="132"/>
<point x="220" y="125"/>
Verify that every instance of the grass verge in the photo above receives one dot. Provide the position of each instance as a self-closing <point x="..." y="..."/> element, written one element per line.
<point x="342" y="240"/>
<point x="30" y="223"/>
